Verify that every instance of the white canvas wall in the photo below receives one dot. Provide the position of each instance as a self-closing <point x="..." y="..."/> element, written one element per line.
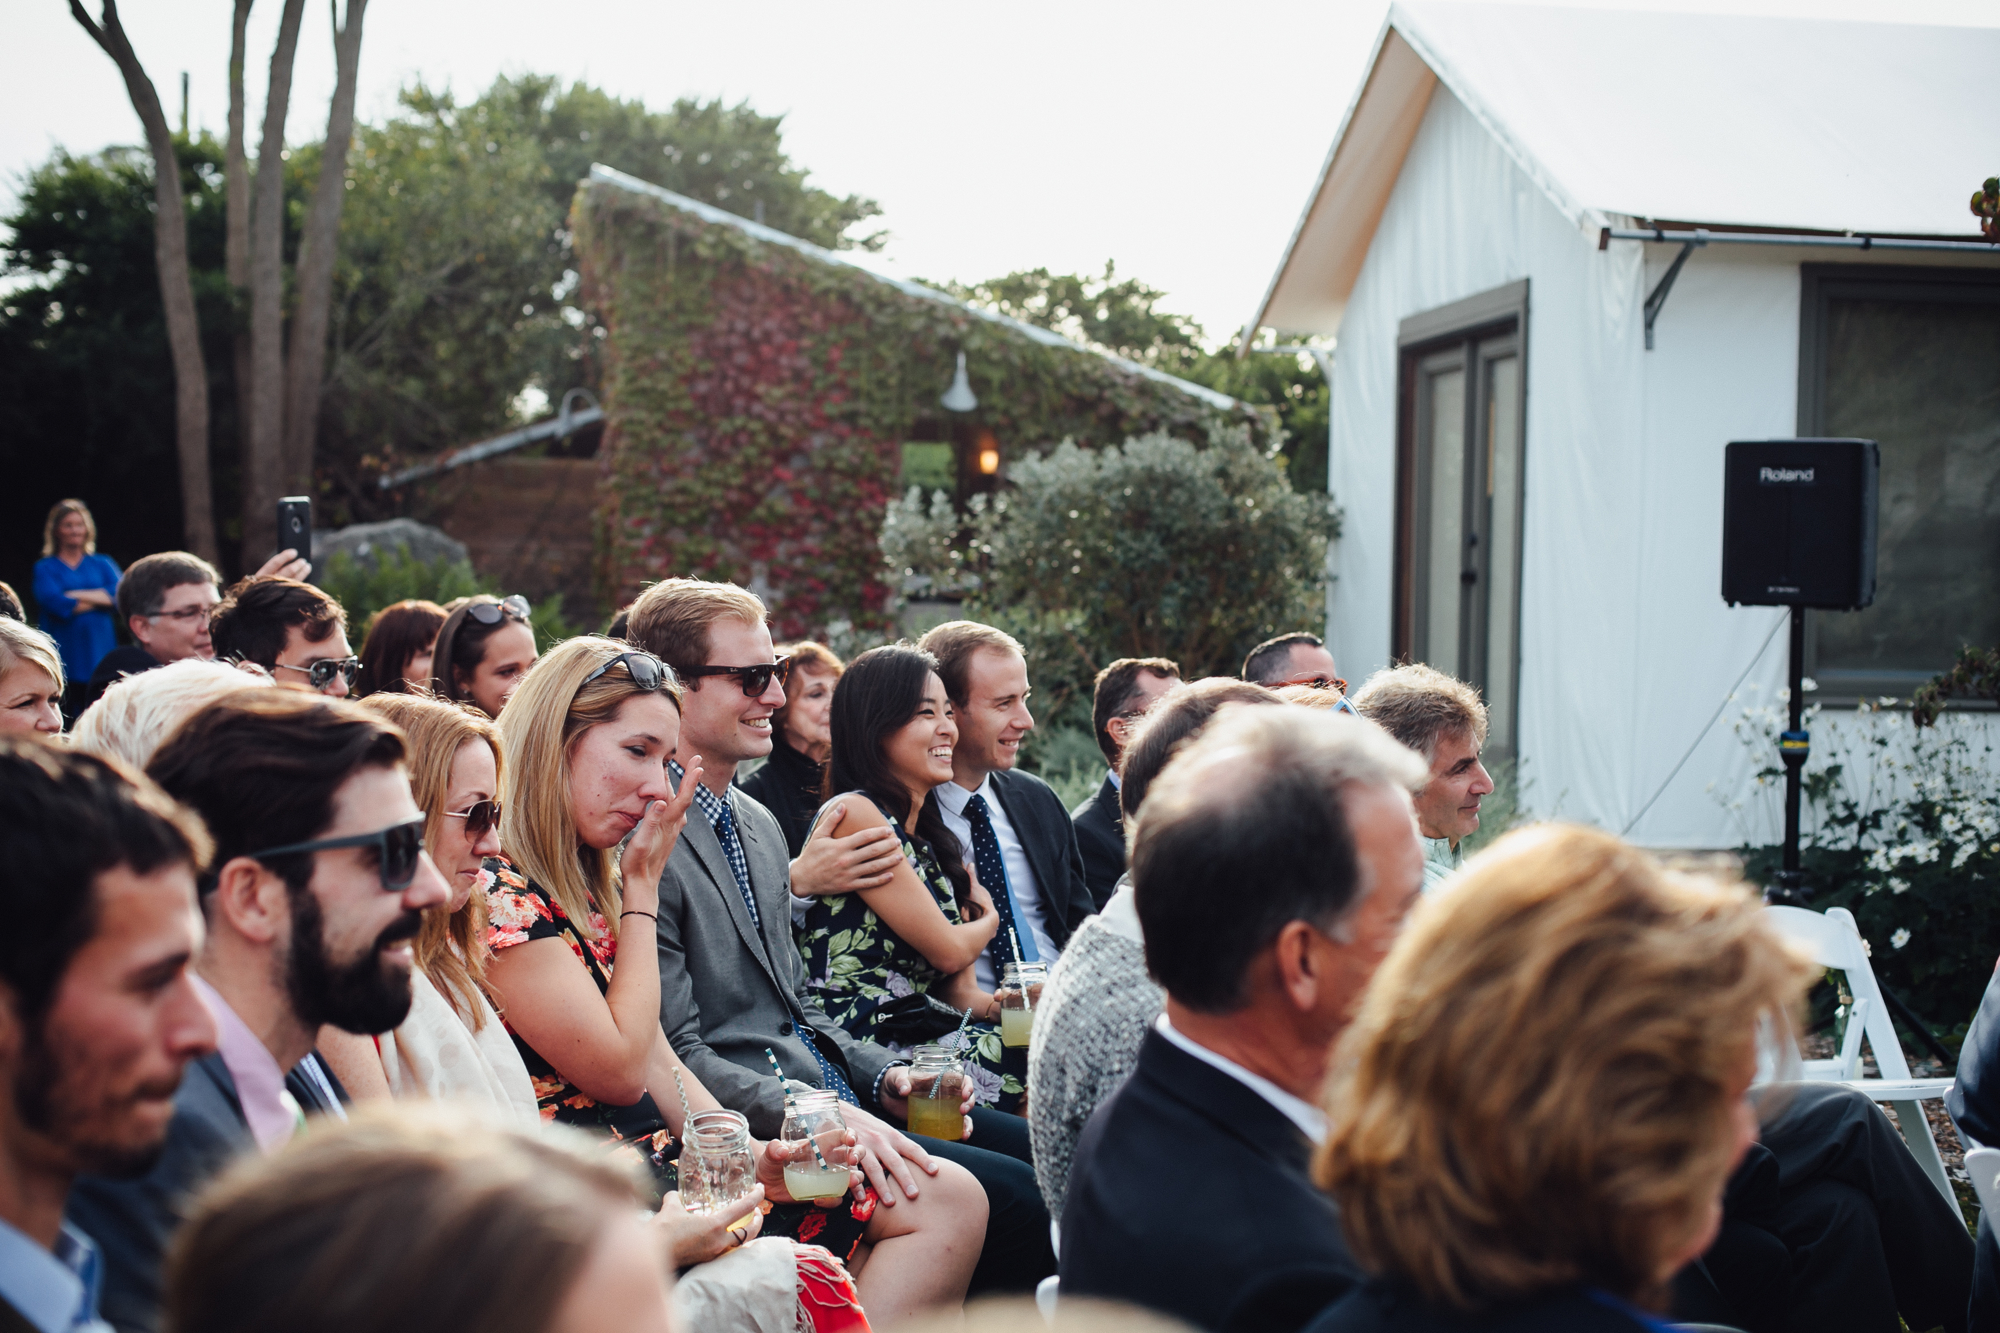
<point x="1627" y="648"/>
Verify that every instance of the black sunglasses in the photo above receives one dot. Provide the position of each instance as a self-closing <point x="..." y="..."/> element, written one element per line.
<point x="399" y="846"/>
<point x="479" y="817"/>
<point x="491" y="613"/>
<point x="754" y="679"/>
<point x="322" y="672"/>
<point x="647" y="671"/>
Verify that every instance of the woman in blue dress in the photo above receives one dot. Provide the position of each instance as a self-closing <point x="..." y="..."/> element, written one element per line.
<point x="920" y="933"/>
<point x="77" y="589"/>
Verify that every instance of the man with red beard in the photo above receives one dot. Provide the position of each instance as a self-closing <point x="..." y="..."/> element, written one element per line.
<point x="311" y="901"/>
<point x="98" y="1013"/>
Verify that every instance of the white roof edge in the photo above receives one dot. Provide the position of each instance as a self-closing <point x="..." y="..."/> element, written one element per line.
<point x="1319" y="185"/>
<point x="1580" y="216"/>
<point x="710" y="213"/>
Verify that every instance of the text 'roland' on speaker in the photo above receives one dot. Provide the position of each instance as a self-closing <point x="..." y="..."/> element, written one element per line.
<point x="1798" y="523"/>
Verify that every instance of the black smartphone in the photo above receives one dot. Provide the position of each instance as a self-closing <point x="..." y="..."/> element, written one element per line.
<point x="295" y="525"/>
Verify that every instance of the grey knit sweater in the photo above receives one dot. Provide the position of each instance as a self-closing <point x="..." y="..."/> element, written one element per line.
<point x="1094" y="1013"/>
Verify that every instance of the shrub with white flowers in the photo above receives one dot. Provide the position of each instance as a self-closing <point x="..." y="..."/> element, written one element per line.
<point x="1901" y="826"/>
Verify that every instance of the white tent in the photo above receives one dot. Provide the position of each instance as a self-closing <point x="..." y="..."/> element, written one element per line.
<point x="1468" y="189"/>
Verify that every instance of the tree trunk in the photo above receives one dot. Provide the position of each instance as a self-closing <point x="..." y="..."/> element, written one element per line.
<point x="170" y="256"/>
<point x="262" y="466"/>
<point x="236" y="234"/>
<point x="317" y="251"/>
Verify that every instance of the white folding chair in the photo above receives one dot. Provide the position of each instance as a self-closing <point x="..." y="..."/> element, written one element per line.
<point x="1983" y="1165"/>
<point x="1834" y="940"/>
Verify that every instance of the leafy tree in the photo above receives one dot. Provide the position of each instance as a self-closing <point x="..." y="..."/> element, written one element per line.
<point x="87" y="387"/>
<point x="1122" y="316"/>
<point x="1155" y="547"/>
<point x="458" y="283"/>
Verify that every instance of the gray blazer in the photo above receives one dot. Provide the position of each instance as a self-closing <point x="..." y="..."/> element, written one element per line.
<point x="728" y="991"/>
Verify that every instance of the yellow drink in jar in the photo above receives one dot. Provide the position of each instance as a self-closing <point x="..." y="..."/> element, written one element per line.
<point x="1016" y="1026"/>
<point x="938" y="1117"/>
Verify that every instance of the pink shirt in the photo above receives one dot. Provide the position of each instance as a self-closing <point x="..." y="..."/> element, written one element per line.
<point x="260" y="1085"/>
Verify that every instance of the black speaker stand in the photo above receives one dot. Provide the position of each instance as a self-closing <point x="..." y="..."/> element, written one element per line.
<point x="1788" y="886"/>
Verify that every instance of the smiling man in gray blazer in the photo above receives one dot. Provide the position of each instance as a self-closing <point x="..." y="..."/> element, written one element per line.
<point x="732" y="984"/>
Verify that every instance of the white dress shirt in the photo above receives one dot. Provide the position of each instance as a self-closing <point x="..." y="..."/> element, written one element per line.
<point x="56" y="1292"/>
<point x="1029" y="909"/>
<point x="1309" y="1118"/>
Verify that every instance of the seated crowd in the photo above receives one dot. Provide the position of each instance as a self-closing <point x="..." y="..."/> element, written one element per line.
<point x="314" y="1012"/>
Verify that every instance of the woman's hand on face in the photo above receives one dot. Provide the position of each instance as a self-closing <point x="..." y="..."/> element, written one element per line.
<point x="652" y="842"/>
<point x="695" y="1238"/>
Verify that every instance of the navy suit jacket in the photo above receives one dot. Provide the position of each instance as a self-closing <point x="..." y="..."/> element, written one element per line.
<point x="133" y="1221"/>
<point x="1049" y="839"/>
<point x="1100" y="835"/>
<point x="1974" y="1099"/>
<point x="1190" y="1196"/>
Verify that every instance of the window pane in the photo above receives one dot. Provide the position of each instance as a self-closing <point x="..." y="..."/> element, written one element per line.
<point x="1923" y="379"/>
<point x="1446" y="512"/>
<point x="1503" y="546"/>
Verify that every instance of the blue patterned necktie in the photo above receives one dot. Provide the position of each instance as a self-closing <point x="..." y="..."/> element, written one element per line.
<point x="992" y="868"/>
<point x="724" y="822"/>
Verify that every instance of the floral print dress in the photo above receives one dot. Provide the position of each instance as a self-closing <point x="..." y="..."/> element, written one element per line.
<point x="519" y="910"/>
<point x="855" y="965"/>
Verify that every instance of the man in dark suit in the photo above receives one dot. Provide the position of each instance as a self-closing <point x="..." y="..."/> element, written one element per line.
<point x="732" y="983"/>
<point x="1974" y="1102"/>
<point x="1122" y="694"/>
<point x="1012" y="825"/>
<point x="1276" y="862"/>
<point x="98" y="1018"/>
<point x="313" y="896"/>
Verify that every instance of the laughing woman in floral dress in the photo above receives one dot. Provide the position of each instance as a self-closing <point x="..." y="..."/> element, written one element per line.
<point x="921" y="933"/>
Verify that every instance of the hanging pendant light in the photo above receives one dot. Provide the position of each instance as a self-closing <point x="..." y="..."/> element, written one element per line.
<point x="959" y="397"/>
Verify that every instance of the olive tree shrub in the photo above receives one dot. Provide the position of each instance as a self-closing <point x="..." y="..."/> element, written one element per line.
<point x="1154" y="547"/>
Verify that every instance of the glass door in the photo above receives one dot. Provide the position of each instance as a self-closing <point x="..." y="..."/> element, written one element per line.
<point x="1462" y="488"/>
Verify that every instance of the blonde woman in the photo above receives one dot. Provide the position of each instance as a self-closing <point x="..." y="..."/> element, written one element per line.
<point x="1533" y="1116"/>
<point x="135" y="715"/>
<point x="586" y="740"/>
<point x="76" y="589"/>
<point x="31" y="682"/>
<point x="452" y="1045"/>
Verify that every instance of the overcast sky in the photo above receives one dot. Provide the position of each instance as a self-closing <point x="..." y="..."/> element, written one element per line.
<point x="1178" y="139"/>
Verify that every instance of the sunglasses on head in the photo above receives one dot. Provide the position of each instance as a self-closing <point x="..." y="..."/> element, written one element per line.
<point x="479" y="817"/>
<point x="754" y="679"/>
<point x="647" y="671"/>
<point x="322" y="672"/>
<point x="492" y="613"/>
<point x="398" y="848"/>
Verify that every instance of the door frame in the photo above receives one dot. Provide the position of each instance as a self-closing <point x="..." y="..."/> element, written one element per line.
<point x="1466" y="323"/>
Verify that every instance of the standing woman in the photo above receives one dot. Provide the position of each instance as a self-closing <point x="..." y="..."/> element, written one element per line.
<point x="396" y="656"/>
<point x="452" y="1045"/>
<point x="484" y="649"/>
<point x="788" y="784"/>
<point x="76" y="588"/>
<point x="31" y="682"/>
<point x="920" y="933"/>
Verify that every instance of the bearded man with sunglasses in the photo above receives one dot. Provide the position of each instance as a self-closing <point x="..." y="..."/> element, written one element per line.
<point x="311" y="903"/>
<point x="292" y="630"/>
<point x="732" y="983"/>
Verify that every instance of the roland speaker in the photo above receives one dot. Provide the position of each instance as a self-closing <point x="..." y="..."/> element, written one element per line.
<point x="1798" y="523"/>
